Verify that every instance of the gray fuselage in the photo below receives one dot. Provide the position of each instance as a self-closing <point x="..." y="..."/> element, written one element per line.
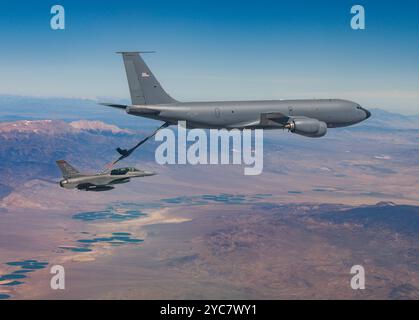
<point x="248" y="114"/>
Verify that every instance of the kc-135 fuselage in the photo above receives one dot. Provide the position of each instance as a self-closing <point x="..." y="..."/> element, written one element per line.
<point x="309" y="118"/>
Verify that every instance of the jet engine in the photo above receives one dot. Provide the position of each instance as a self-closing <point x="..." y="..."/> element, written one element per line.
<point x="307" y="127"/>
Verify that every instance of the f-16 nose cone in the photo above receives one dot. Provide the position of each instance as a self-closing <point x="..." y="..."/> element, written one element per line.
<point x="149" y="173"/>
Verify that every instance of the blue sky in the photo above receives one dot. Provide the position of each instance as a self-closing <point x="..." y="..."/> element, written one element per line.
<point x="216" y="50"/>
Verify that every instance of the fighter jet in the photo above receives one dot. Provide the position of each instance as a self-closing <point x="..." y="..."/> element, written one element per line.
<point x="97" y="182"/>
<point x="310" y="118"/>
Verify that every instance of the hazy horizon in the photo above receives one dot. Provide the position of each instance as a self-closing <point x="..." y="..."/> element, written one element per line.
<point x="100" y="99"/>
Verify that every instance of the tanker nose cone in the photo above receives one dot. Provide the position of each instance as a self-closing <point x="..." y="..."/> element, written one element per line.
<point x="365" y="113"/>
<point x="62" y="183"/>
<point x="368" y="114"/>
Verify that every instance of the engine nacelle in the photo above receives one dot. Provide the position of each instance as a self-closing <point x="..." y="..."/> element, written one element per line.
<point x="307" y="127"/>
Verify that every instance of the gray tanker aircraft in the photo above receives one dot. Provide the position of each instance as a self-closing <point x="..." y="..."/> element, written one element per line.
<point x="310" y="118"/>
<point x="97" y="182"/>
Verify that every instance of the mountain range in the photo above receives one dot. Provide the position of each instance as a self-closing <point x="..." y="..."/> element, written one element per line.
<point x="319" y="207"/>
<point x="71" y="129"/>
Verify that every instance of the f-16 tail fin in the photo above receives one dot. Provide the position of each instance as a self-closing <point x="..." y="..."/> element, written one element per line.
<point x="143" y="85"/>
<point x="67" y="170"/>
